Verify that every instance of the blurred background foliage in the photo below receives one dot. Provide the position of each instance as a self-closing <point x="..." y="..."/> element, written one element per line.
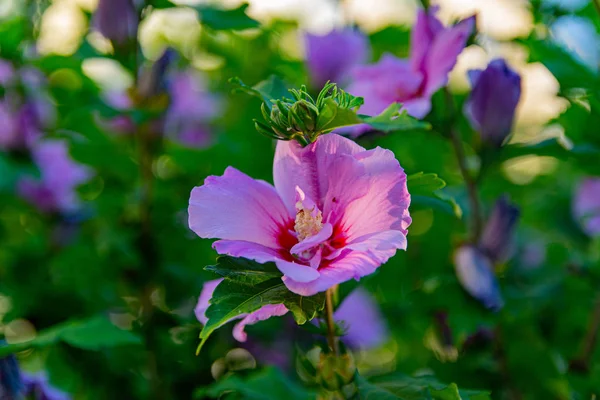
<point x="102" y="298"/>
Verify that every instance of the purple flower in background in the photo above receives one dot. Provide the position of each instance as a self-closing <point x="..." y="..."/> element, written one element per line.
<point x="475" y="273"/>
<point x="331" y="57"/>
<point x="192" y="109"/>
<point x="474" y="264"/>
<point x="586" y="206"/>
<point x="493" y="101"/>
<point x="116" y="20"/>
<point x="10" y="137"/>
<point x="11" y="384"/>
<point x="359" y="314"/>
<point x="37" y="387"/>
<point x="496" y="239"/>
<point x="55" y="190"/>
<point x="7" y="72"/>
<point x="412" y="82"/>
<point x="337" y="212"/>
<point x="364" y="323"/>
<point x="24" y="114"/>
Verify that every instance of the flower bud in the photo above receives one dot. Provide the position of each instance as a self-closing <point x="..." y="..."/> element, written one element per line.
<point x="116" y="20"/>
<point x="152" y="79"/>
<point x="491" y="106"/>
<point x="476" y="275"/>
<point x="497" y="235"/>
<point x="335" y="372"/>
<point x="304" y="116"/>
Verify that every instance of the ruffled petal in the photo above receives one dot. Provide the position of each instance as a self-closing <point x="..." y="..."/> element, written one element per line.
<point x="375" y="243"/>
<point x="263" y="313"/>
<point x="385" y="204"/>
<point x="308" y="167"/>
<point x="237" y="207"/>
<point x="350" y="265"/>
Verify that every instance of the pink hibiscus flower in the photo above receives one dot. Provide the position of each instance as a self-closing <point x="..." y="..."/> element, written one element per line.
<point x="412" y="82"/>
<point x="337" y="212"/>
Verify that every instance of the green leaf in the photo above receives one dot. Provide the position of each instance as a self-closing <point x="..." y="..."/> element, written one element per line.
<point x="426" y="190"/>
<point x="270" y="89"/>
<point x="332" y="116"/>
<point x="394" y="119"/>
<point x="249" y="286"/>
<point x="219" y="19"/>
<point x="253" y="387"/>
<point x="424" y="184"/>
<point x="243" y="269"/>
<point x="90" y="334"/>
<point x="567" y="69"/>
<point x="398" y="386"/>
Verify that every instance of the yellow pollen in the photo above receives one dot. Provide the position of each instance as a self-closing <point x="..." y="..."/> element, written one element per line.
<point x="306" y="224"/>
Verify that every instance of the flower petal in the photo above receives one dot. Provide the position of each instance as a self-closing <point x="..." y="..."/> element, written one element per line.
<point x="351" y="264"/>
<point x="249" y="250"/>
<point x="444" y="52"/>
<point x="381" y="84"/>
<point x="263" y="313"/>
<point x="375" y="243"/>
<point x="204" y="300"/>
<point x="308" y="167"/>
<point x="385" y="204"/>
<point x="297" y="272"/>
<point x="237" y="207"/>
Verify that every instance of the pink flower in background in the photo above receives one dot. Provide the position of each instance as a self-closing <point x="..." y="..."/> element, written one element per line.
<point x="337" y="212"/>
<point x="331" y="57"/>
<point x="192" y="109"/>
<point x="55" y="189"/>
<point x="412" y="82"/>
<point x="358" y="314"/>
<point x="586" y="206"/>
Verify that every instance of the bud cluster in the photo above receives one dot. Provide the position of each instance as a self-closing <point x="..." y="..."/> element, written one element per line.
<point x="298" y="118"/>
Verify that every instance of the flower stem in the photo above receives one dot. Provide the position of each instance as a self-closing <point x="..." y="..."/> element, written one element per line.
<point x="582" y="362"/>
<point x="470" y="182"/>
<point x="597" y="6"/>
<point x="331" y="337"/>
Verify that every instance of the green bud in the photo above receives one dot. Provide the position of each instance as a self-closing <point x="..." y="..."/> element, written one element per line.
<point x="335" y="372"/>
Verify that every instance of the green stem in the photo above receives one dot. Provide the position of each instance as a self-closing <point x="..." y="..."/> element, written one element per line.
<point x="582" y="362"/>
<point x="470" y="182"/>
<point x="331" y="337"/>
<point x="597" y="5"/>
